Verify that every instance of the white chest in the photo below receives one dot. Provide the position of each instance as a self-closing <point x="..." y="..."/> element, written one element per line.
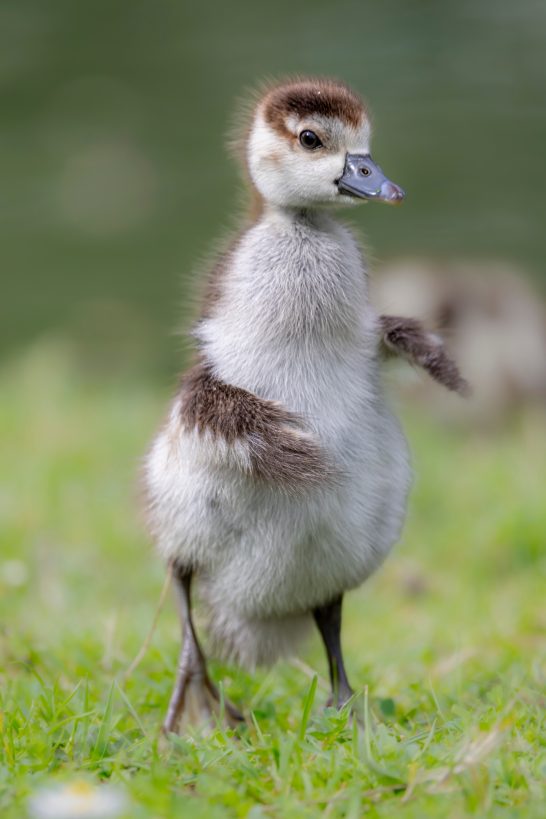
<point x="294" y="324"/>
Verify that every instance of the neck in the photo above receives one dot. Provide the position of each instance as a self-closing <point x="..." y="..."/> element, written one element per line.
<point x="295" y="274"/>
<point x="313" y="217"/>
<point x="293" y="290"/>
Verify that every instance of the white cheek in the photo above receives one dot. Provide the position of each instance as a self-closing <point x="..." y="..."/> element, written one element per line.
<point x="284" y="175"/>
<point x="313" y="179"/>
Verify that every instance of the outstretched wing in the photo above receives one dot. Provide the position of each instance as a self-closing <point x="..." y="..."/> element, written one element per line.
<point x="408" y="338"/>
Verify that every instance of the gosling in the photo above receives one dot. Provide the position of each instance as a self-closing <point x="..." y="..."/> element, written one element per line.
<point x="280" y="478"/>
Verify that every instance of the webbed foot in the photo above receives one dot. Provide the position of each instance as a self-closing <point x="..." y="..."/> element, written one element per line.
<point x="198" y="704"/>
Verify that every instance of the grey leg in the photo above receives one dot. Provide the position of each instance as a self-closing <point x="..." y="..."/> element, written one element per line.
<point x="195" y="699"/>
<point x="328" y="620"/>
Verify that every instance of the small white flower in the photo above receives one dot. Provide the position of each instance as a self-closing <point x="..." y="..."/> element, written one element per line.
<point x="79" y="800"/>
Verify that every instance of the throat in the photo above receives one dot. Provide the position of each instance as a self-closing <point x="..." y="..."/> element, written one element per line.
<point x="309" y="270"/>
<point x="303" y="217"/>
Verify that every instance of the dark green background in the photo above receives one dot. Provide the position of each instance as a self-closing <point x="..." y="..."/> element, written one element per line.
<point x="115" y="180"/>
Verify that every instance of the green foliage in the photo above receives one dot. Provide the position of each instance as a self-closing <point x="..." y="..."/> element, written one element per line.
<point x="446" y="642"/>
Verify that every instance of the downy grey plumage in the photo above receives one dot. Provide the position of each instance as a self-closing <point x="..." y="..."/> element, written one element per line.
<point x="280" y="478"/>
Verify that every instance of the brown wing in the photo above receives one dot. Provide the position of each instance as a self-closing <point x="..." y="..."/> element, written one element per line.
<point x="279" y="448"/>
<point x="408" y="338"/>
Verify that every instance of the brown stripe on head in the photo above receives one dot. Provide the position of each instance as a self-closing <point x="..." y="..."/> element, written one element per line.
<point x="302" y="96"/>
<point x="308" y="97"/>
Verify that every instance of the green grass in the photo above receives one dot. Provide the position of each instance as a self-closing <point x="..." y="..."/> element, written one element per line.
<point x="446" y="642"/>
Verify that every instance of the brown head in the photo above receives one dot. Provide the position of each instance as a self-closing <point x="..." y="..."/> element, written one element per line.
<point x="309" y="145"/>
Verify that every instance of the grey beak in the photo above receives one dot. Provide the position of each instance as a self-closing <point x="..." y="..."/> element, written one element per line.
<point x="364" y="179"/>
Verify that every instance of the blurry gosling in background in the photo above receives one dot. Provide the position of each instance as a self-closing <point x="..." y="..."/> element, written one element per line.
<point x="279" y="480"/>
<point x="494" y="322"/>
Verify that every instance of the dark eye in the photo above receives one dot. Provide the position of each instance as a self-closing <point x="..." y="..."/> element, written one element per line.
<point x="365" y="171"/>
<point x="310" y="140"/>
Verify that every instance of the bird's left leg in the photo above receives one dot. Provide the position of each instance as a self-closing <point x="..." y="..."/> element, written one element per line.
<point x="195" y="699"/>
<point x="328" y="620"/>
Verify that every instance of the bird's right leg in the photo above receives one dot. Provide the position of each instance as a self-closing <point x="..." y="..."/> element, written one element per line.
<point x="195" y="699"/>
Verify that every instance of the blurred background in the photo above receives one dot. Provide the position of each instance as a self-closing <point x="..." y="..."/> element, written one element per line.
<point x="115" y="186"/>
<point x="116" y="181"/>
